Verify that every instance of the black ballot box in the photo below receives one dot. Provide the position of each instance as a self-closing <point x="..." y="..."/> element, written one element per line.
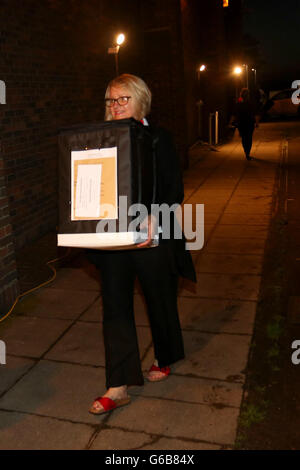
<point x="107" y="183"/>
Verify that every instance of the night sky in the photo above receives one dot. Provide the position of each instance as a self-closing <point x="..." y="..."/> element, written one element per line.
<point x="276" y="24"/>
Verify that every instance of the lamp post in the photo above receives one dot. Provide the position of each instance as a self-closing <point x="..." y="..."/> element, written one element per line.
<point x="115" y="50"/>
<point x="237" y="71"/>
<point x="200" y="69"/>
<point x="254" y="70"/>
<point x="200" y="103"/>
<point x="247" y="76"/>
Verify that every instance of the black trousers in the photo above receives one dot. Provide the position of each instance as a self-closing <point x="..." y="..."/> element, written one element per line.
<point x="246" y="133"/>
<point x="155" y="270"/>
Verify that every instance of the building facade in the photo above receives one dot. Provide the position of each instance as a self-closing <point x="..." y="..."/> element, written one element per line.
<point x="55" y="66"/>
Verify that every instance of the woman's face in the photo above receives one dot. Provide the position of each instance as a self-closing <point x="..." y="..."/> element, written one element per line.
<point x="126" y="111"/>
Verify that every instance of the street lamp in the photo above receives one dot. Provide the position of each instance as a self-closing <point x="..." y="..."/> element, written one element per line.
<point x="237" y="70"/>
<point x="247" y="77"/>
<point x="115" y="50"/>
<point x="200" y="69"/>
<point x="120" y="39"/>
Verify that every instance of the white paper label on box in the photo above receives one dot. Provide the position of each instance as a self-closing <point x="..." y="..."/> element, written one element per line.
<point x="88" y="191"/>
<point x="94" y="184"/>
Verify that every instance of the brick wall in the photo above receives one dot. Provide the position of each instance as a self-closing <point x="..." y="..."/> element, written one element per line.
<point x="55" y="67"/>
<point x="153" y="50"/>
<point x="9" y="287"/>
<point x="163" y="67"/>
<point x="205" y="42"/>
<point x="54" y="61"/>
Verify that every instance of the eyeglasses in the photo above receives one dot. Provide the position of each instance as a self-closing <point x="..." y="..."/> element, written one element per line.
<point x="122" y="101"/>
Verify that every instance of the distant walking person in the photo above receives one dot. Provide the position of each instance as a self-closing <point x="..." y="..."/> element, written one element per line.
<point x="246" y="118"/>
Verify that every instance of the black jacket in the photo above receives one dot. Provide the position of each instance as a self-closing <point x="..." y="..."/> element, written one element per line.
<point x="245" y="114"/>
<point x="170" y="190"/>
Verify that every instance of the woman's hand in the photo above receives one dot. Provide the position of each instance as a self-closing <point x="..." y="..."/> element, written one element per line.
<point x="150" y="223"/>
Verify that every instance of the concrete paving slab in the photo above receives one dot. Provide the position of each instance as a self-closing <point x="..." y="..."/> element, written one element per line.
<point x="211" y="218"/>
<point x="140" y="311"/>
<point x="250" y="208"/>
<point x="198" y="406"/>
<point x="261" y="171"/>
<point x="216" y="193"/>
<point x="244" y="219"/>
<point x="113" y="438"/>
<point x="175" y="444"/>
<point x="14" y="369"/>
<point x="32" y="277"/>
<point x="83" y="344"/>
<point x="203" y="231"/>
<point x="205" y="198"/>
<point x="251" y="184"/>
<point x="56" y="303"/>
<point x="251" y="198"/>
<point x="219" y="181"/>
<point x="218" y="204"/>
<point x="77" y="279"/>
<point x="31" y="336"/>
<point x="94" y="313"/>
<point x="214" y="207"/>
<point x="223" y="286"/>
<point x="187" y="194"/>
<point x="239" y="246"/>
<point x="26" y="432"/>
<point x="118" y="439"/>
<point x="217" y="356"/>
<point x="252" y="192"/>
<point x="57" y="390"/>
<point x="170" y="419"/>
<point x="192" y="390"/>
<point x="225" y="185"/>
<point x="227" y="174"/>
<point x="207" y="231"/>
<point x="241" y="231"/>
<point x="266" y="170"/>
<point x="217" y="316"/>
<point x="234" y="264"/>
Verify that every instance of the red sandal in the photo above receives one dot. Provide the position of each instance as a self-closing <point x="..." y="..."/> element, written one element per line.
<point x="165" y="372"/>
<point x="108" y="404"/>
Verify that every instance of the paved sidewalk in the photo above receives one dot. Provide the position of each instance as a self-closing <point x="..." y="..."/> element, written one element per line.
<point x="55" y="354"/>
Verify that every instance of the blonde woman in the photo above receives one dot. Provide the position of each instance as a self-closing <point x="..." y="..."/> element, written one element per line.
<point x="157" y="269"/>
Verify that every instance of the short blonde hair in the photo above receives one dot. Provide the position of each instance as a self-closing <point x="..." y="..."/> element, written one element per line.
<point x="139" y="91"/>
